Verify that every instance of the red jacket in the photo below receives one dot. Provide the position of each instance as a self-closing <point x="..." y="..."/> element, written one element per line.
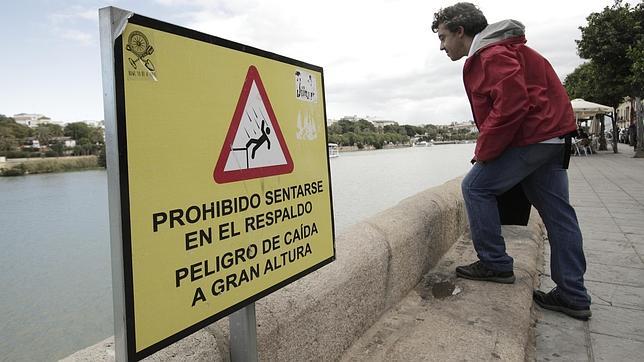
<point x="516" y="98"/>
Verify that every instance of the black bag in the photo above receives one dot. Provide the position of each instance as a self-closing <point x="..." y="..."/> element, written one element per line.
<point x="514" y="207"/>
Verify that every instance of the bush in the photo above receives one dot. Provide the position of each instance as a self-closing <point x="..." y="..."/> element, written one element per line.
<point x="52" y="165"/>
<point x="18" y="170"/>
<point x="17" y="154"/>
<point x="102" y="162"/>
<point x="61" y="165"/>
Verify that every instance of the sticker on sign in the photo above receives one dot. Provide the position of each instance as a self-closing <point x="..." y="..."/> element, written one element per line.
<point x="305" y="86"/>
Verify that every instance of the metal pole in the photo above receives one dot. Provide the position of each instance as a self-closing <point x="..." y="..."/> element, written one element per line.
<point x="109" y="20"/>
<point x="243" y="335"/>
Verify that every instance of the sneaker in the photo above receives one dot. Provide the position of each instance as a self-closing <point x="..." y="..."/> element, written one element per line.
<point x="553" y="301"/>
<point x="478" y="271"/>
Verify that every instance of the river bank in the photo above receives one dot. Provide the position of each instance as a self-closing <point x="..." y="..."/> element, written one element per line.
<point x="369" y="148"/>
<point x="29" y="166"/>
<point x="342" y="149"/>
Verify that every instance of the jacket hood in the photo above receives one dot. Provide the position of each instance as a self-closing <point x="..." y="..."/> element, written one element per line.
<point x="494" y="33"/>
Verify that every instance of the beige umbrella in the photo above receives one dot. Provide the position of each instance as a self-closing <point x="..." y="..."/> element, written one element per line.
<point x="586" y="109"/>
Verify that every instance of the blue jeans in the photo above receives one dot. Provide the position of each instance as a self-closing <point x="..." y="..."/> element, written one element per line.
<point x="539" y="169"/>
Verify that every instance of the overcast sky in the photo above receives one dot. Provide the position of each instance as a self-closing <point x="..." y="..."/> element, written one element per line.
<point x="380" y="57"/>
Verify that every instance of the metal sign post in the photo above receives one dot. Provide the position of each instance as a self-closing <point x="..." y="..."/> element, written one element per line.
<point x="110" y="20"/>
<point x="243" y="335"/>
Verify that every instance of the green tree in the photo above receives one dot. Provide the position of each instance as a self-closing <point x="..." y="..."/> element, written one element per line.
<point x="411" y="131"/>
<point x="614" y="42"/>
<point x="14" y="129"/>
<point x="345" y="125"/>
<point x="335" y="128"/>
<point x="613" y="39"/>
<point x="583" y="83"/>
<point x="391" y="128"/>
<point x="12" y="134"/>
<point x="102" y="161"/>
<point x="58" y="147"/>
<point x="77" y="131"/>
<point x="46" y="131"/>
<point x="364" y="126"/>
<point x="96" y="136"/>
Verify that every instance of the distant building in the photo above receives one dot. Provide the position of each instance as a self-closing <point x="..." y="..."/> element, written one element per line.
<point x="98" y="124"/>
<point x="31" y="120"/>
<point x="31" y="142"/>
<point x="468" y="125"/>
<point x="66" y="141"/>
<point x="381" y="123"/>
<point x="376" y="121"/>
<point x="353" y="118"/>
<point x="625" y="112"/>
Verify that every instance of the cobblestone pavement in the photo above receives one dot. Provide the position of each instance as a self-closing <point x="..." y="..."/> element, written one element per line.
<point x="607" y="191"/>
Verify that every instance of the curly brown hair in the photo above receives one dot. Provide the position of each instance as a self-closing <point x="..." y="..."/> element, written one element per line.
<point x="467" y="15"/>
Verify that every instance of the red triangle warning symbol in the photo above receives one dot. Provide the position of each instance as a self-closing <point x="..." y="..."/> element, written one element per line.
<point x="254" y="146"/>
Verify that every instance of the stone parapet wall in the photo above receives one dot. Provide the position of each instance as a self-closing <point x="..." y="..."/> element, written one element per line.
<point x="318" y="317"/>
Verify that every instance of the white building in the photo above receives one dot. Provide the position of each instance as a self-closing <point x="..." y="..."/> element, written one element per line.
<point x="31" y="120"/>
<point x="381" y="123"/>
<point x="468" y="125"/>
<point x="376" y="121"/>
<point x="353" y="118"/>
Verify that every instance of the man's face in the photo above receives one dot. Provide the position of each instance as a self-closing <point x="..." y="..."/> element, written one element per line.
<point x="452" y="43"/>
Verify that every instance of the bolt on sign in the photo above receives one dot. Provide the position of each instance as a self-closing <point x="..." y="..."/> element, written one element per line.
<point x="218" y="173"/>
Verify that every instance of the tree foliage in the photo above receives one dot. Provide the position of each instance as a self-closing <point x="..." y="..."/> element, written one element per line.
<point x="613" y="40"/>
<point x="13" y="136"/>
<point x="84" y="134"/>
<point x="9" y="127"/>
<point x="46" y="131"/>
<point x="362" y="133"/>
<point x="77" y="130"/>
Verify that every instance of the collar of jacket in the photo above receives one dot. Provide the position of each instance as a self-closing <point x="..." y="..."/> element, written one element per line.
<point x="513" y="40"/>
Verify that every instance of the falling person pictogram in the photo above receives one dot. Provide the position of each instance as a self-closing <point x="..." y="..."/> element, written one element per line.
<point x="260" y="141"/>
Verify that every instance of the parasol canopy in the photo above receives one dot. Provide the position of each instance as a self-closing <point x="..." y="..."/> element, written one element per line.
<point x="585" y="109"/>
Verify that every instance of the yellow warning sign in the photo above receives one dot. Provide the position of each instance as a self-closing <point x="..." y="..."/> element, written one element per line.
<point x="225" y="177"/>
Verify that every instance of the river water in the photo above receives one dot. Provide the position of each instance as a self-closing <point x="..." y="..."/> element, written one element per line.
<point x="55" y="278"/>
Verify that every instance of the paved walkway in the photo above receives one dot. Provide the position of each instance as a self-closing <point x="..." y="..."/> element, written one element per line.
<point x="449" y="319"/>
<point x="607" y="190"/>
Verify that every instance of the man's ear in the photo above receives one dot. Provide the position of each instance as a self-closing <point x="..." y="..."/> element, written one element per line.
<point x="460" y="32"/>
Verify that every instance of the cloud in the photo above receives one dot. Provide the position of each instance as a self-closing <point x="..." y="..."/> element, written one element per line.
<point x="67" y="24"/>
<point x="77" y="36"/>
<point x="380" y="57"/>
<point x="73" y="14"/>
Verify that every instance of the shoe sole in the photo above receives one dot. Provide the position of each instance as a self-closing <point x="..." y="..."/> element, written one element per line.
<point x="502" y="280"/>
<point x="583" y="315"/>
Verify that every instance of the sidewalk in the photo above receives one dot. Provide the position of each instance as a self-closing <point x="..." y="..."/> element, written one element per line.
<point x="449" y="319"/>
<point x="607" y="191"/>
